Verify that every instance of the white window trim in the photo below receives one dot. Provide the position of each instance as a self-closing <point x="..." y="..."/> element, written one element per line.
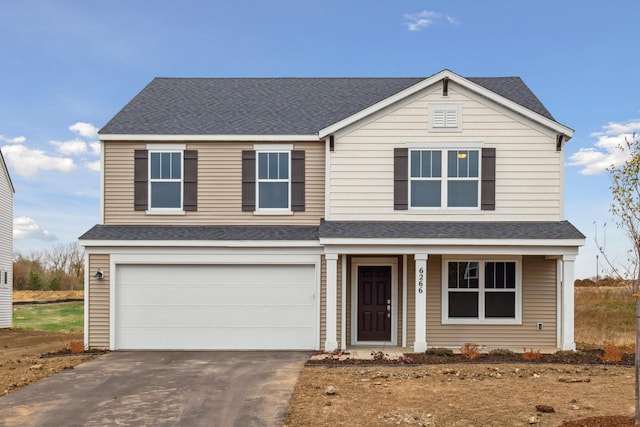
<point x="444" y="179"/>
<point x="481" y="320"/>
<point x="273" y="149"/>
<point x="155" y="148"/>
<point x="446" y="108"/>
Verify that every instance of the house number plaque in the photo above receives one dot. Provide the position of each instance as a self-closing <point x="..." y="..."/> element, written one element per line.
<point x="420" y="280"/>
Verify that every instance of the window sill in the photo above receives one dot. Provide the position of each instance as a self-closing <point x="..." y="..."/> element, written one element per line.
<point x="515" y="322"/>
<point x="273" y="212"/>
<point x="165" y="212"/>
<point x="445" y="211"/>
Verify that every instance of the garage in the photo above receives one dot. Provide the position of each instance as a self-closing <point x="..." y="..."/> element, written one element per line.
<point x="202" y="307"/>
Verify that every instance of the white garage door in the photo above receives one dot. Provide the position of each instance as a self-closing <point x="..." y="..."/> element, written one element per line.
<point x="215" y="307"/>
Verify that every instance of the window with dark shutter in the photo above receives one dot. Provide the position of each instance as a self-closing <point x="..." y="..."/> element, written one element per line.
<point x="400" y="178"/>
<point x="488" y="189"/>
<point x="248" y="181"/>
<point x="297" y="181"/>
<point x="190" y="195"/>
<point x="141" y="180"/>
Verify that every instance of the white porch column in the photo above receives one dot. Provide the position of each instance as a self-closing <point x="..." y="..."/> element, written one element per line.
<point x="420" y="343"/>
<point x="568" y="342"/>
<point x="331" y="341"/>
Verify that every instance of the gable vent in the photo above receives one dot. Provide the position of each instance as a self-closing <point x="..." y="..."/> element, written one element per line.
<point x="443" y="118"/>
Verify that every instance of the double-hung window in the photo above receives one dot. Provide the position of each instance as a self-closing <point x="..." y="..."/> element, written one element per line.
<point x="165" y="180"/>
<point x="273" y="183"/>
<point x="447" y="178"/>
<point x="481" y="291"/>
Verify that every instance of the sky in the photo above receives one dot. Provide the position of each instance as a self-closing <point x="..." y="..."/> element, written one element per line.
<point x="67" y="67"/>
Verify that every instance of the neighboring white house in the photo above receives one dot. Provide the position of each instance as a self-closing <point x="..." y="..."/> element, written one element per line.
<point x="6" y="245"/>
<point x="328" y="213"/>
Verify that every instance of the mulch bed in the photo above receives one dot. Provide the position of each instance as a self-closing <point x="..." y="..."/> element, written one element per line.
<point x="591" y="356"/>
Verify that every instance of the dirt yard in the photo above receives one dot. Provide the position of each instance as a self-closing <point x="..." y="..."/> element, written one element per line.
<point x="460" y="395"/>
<point x="20" y="362"/>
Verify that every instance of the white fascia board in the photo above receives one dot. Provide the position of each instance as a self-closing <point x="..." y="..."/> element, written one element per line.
<point x="453" y="250"/>
<point x="202" y="243"/>
<point x="454" y="242"/>
<point x="192" y="138"/>
<point x="5" y="168"/>
<point x="568" y="132"/>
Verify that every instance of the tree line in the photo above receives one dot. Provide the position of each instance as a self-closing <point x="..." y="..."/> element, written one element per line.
<point x="60" y="267"/>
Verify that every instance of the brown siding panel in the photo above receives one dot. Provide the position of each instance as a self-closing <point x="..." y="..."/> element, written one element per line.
<point x="99" y="302"/>
<point x="538" y="305"/>
<point x="219" y="187"/>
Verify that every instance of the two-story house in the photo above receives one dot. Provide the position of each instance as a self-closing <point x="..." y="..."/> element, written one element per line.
<point x="325" y="213"/>
<point x="6" y="246"/>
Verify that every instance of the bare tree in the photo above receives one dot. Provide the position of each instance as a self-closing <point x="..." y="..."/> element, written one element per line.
<point x="625" y="191"/>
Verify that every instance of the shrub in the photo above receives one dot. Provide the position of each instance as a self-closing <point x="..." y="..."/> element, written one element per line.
<point x="501" y="352"/>
<point x="439" y="351"/>
<point x="379" y="355"/>
<point x="405" y="359"/>
<point x="611" y="353"/>
<point x="531" y="355"/>
<point x="470" y="350"/>
<point x="76" y="347"/>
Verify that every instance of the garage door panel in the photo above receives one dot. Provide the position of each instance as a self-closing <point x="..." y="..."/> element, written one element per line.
<point x="216" y="307"/>
<point x="210" y="295"/>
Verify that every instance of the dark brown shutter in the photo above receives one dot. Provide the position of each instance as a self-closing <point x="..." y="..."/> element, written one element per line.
<point x="248" y="180"/>
<point x="297" y="181"/>
<point x="400" y="179"/>
<point x="488" y="189"/>
<point x="141" y="180"/>
<point x="190" y="196"/>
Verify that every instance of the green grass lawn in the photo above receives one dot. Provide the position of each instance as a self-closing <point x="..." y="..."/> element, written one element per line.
<point x="59" y="317"/>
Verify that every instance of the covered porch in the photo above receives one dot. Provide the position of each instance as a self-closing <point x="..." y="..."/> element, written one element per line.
<point x="397" y="291"/>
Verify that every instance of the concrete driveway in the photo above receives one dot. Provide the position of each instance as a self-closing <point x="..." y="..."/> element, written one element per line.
<point x="158" y="388"/>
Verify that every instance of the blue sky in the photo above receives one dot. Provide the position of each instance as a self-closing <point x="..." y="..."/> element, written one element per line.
<point x="69" y="66"/>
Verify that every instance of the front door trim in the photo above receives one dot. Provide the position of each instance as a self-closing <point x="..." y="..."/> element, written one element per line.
<point x="374" y="261"/>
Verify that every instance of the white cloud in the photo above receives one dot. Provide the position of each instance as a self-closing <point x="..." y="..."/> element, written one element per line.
<point x="25" y="228"/>
<point x="95" y="148"/>
<point x="16" y="140"/>
<point x="28" y="162"/>
<point x="70" y="148"/>
<point x="86" y="130"/>
<point x="452" y="20"/>
<point x="420" y="20"/>
<point x="605" y="152"/>
<point x="93" y="166"/>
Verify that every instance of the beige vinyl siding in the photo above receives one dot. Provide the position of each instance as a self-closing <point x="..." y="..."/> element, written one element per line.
<point x="219" y="187"/>
<point x="528" y="168"/>
<point x="538" y="305"/>
<point x="6" y="249"/>
<point x="98" y="302"/>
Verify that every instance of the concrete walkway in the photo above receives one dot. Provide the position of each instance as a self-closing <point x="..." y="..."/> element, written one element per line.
<point x="185" y="388"/>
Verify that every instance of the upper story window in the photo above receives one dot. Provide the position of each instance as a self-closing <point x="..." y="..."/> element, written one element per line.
<point x="481" y="291"/>
<point x="435" y="182"/>
<point x="445" y="117"/>
<point x="273" y="180"/>
<point x="165" y="180"/>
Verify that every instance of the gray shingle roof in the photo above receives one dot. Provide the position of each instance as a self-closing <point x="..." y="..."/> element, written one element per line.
<point x="231" y="232"/>
<point x="342" y="229"/>
<point x="449" y="230"/>
<point x="271" y="106"/>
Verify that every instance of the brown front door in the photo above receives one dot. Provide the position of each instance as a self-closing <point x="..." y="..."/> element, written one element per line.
<point x="374" y="303"/>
